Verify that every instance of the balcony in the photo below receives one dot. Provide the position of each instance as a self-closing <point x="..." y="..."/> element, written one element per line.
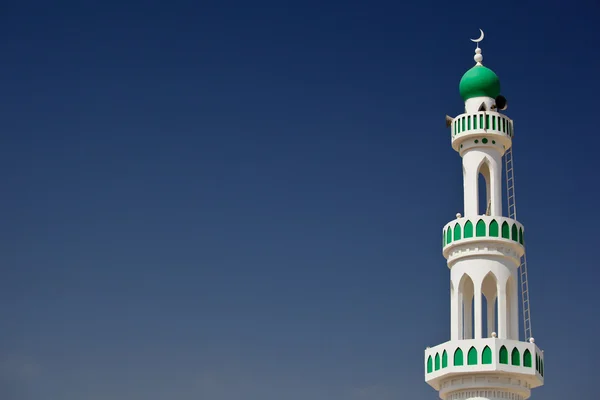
<point x="484" y="127"/>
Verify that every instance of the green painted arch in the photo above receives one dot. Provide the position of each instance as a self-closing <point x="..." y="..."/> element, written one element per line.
<point x="436" y="363"/>
<point x="444" y="359"/>
<point x="480" y="228"/>
<point x="429" y="365"/>
<point x="515" y="233"/>
<point x="503" y="356"/>
<point x="541" y="367"/>
<point x="494" y="228"/>
<point x="537" y="362"/>
<point x="515" y="357"/>
<point x="449" y="236"/>
<point x="527" y="358"/>
<point x="472" y="356"/>
<point x="468" y="229"/>
<point x="486" y="355"/>
<point x="505" y="230"/>
<point x="457" y="231"/>
<point x="458" y="357"/>
<point x="521" y="235"/>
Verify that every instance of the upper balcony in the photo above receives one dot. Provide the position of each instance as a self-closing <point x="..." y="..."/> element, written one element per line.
<point x="490" y="355"/>
<point x="484" y="128"/>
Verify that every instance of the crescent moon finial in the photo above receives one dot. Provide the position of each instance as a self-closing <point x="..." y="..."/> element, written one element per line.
<point x="479" y="39"/>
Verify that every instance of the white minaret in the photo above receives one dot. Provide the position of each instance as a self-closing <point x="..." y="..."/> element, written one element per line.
<point x="484" y="359"/>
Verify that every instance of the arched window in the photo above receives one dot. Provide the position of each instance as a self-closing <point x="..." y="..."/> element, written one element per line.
<point x="486" y="355"/>
<point x="472" y="356"/>
<point x="515" y="357"/>
<point x="449" y="236"/>
<point x="494" y="228"/>
<point x="515" y="233"/>
<point x="542" y="367"/>
<point x="505" y="230"/>
<point x="503" y="355"/>
<point x="521" y="235"/>
<point x="527" y="358"/>
<point x="468" y="229"/>
<point x="456" y="231"/>
<point x="537" y="362"/>
<point x="458" y="357"/>
<point x="429" y="365"/>
<point x="466" y="291"/>
<point x="444" y="359"/>
<point x="480" y="228"/>
<point x="489" y="303"/>
<point x="437" y="361"/>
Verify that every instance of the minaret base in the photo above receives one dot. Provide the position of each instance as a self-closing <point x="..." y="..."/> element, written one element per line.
<point x="484" y="387"/>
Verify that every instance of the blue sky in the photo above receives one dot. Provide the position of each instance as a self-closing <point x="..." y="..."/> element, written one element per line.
<point x="244" y="200"/>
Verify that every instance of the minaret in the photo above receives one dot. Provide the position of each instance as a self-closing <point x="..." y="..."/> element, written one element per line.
<point x="484" y="359"/>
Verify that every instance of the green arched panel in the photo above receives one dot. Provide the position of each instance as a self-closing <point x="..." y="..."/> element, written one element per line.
<point x="541" y="367"/>
<point x="444" y="359"/>
<point x="437" y="361"/>
<point x="521" y="235"/>
<point x="458" y="357"/>
<point x="505" y="230"/>
<point x="457" y="231"/>
<point x="486" y="356"/>
<point x="449" y="236"/>
<point x="515" y="357"/>
<point x="429" y="364"/>
<point x="472" y="356"/>
<point x="480" y="228"/>
<point x="468" y="229"/>
<point x="515" y="233"/>
<point x="503" y="355"/>
<point x="527" y="358"/>
<point x="537" y="362"/>
<point x="494" y="228"/>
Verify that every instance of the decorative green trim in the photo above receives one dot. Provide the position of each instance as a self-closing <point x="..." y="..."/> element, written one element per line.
<point x="515" y="357"/>
<point x="444" y="359"/>
<point x="472" y="356"/>
<point x="527" y="358"/>
<point x="494" y="228"/>
<point x="521" y="235"/>
<point x="456" y="231"/>
<point x="503" y="355"/>
<point x="486" y="355"/>
<point x="505" y="230"/>
<point x="468" y="229"/>
<point x="449" y="236"/>
<point x="429" y="365"/>
<point x="515" y="233"/>
<point x="437" y="361"/>
<point x="476" y="141"/>
<point x="484" y="140"/>
<point x="480" y="228"/>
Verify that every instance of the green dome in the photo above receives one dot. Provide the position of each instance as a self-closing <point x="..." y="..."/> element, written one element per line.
<point x="479" y="81"/>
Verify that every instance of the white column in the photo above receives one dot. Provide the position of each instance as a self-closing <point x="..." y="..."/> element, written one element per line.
<point x="470" y="189"/>
<point x="491" y="315"/>
<point x="478" y="311"/>
<point x="496" y="185"/>
<point x="453" y="313"/>
<point x="459" y="315"/>
<point x="502" y="311"/>
<point x="514" y="309"/>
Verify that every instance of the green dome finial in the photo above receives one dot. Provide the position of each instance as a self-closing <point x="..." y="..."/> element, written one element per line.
<point x="479" y="81"/>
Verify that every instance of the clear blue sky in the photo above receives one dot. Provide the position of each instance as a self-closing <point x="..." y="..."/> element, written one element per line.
<point x="244" y="200"/>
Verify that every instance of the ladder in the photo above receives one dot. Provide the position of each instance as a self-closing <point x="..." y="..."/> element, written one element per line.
<point x="512" y="213"/>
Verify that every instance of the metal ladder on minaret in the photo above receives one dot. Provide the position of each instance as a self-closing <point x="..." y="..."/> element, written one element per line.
<point x="512" y="213"/>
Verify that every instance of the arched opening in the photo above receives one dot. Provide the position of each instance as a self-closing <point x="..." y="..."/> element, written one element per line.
<point x="480" y="228"/>
<point x="512" y="312"/>
<point x="503" y="356"/>
<point x="458" y="357"/>
<point x="444" y="359"/>
<point x="505" y="230"/>
<point x="429" y="365"/>
<point x="521" y="235"/>
<point x="483" y="189"/>
<point x="466" y="292"/>
<point x="537" y="362"/>
<point x="449" y="236"/>
<point x="515" y="233"/>
<point x="457" y="232"/>
<point x="468" y="229"/>
<point x="542" y="367"/>
<point x="489" y="306"/>
<point x="486" y="355"/>
<point x="515" y="357"/>
<point x="437" y="361"/>
<point x="527" y="358"/>
<point x="494" y="228"/>
<point x="472" y="356"/>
